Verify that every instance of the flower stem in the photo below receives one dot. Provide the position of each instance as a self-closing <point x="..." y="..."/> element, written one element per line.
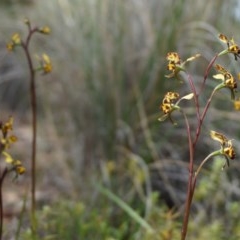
<point x="5" y="171"/>
<point x="198" y="131"/>
<point x="32" y="90"/>
<point x="207" y="72"/>
<point x="205" y="160"/>
<point x="190" y="190"/>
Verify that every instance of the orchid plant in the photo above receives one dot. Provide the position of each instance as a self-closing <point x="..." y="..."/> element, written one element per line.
<point x="172" y="102"/>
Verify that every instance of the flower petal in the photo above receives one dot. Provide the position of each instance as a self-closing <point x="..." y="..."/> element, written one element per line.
<point x="219" y="76"/>
<point x="188" y="96"/>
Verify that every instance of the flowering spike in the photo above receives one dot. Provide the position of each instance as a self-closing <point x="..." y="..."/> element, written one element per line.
<point x="227" y="149"/>
<point x="232" y="47"/>
<point x="228" y="81"/>
<point x="169" y="104"/>
<point x="175" y="64"/>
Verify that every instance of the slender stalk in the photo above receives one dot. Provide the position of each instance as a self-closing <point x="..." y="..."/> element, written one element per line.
<point x="33" y="100"/>
<point x="34" y="144"/>
<point x="190" y="80"/>
<point x="190" y="180"/>
<point x="198" y="131"/>
<point x="205" y="160"/>
<point x="207" y="72"/>
<point x="193" y="178"/>
<point x="5" y="171"/>
<point x="192" y="145"/>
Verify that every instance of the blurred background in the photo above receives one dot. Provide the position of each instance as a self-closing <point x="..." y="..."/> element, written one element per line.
<point x="98" y="114"/>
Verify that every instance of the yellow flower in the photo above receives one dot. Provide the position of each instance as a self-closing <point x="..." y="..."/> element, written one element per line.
<point x="218" y="137"/>
<point x="166" y="108"/>
<point x="228" y="81"/>
<point x="6" y="127"/>
<point x="16" y="164"/>
<point x="45" y="30"/>
<point x="173" y="57"/>
<point x="175" y="64"/>
<point x="46" y="64"/>
<point x="170" y="103"/>
<point x="227" y="149"/>
<point x="237" y="104"/>
<point x="230" y="152"/>
<point x="7" y="141"/>
<point x="171" y="96"/>
<point x="8" y="157"/>
<point x="15" y="40"/>
<point x="10" y="46"/>
<point x="20" y="169"/>
<point x="232" y="47"/>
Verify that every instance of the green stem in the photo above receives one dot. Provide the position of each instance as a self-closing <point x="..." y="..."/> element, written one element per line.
<point x="205" y="160"/>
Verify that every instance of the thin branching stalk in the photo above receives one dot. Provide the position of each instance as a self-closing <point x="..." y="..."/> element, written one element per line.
<point x="199" y="127"/>
<point x="204" y="161"/>
<point x="32" y="90"/>
<point x="190" y="179"/>
<point x="209" y="67"/>
<point x="195" y="95"/>
<point x="45" y="66"/>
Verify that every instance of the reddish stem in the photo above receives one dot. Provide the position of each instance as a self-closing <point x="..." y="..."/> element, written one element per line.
<point x="207" y="72"/>
<point x="5" y="171"/>
<point x="190" y="190"/>
<point x="33" y="101"/>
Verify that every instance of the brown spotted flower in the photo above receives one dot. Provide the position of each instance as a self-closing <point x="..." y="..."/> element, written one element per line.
<point x="228" y="81"/>
<point x="227" y="149"/>
<point x="175" y="64"/>
<point x="170" y="103"/>
<point x="232" y="47"/>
